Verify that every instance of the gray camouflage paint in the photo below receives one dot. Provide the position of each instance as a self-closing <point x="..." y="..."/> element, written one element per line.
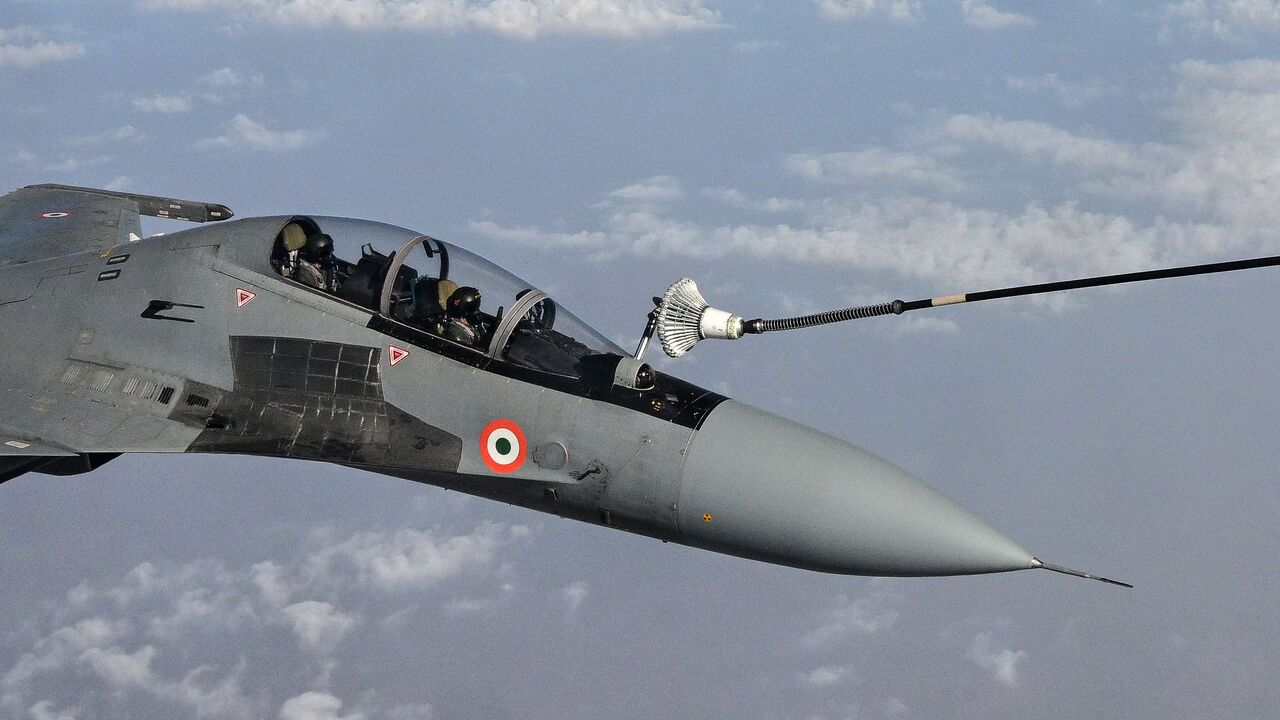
<point x="95" y="375"/>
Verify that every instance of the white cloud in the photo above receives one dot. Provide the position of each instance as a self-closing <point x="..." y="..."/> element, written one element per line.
<point x="199" y="638"/>
<point x="59" y="649"/>
<point x="657" y="189"/>
<point x="20" y="33"/>
<point x="124" y="671"/>
<point x="946" y="244"/>
<point x="315" y="706"/>
<point x="862" y="616"/>
<point x="1257" y="75"/>
<point x="899" y="10"/>
<point x="826" y="676"/>
<point x="126" y="132"/>
<point x="1067" y="93"/>
<point x="773" y="205"/>
<point x="409" y="559"/>
<point x="164" y="104"/>
<point x="1002" y="663"/>
<point x="524" y="19"/>
<point x="894" y="707"/>
<point x="267" y="576"/>
<point x="875" y="164"/>
<point x="1043" y="141"/>
<point x="573" y="594"/>
<point x="228" y="78"/>
<point x="318" y="625"/>
<point x="24" y="47"/>
<point x="1210" y="191"/>
<point x="1228" y="19"/>
<point x="1224" y="166"/>
<point x="982" y="15"/>
<point x="246" y="133"/>
<point x="44" y="710"/>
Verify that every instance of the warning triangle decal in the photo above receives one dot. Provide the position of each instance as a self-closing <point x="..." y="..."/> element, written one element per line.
<point x="396" y="354"/>
<point x="244" y="296"/>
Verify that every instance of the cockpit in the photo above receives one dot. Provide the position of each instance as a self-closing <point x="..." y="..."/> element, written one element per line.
<point x="418" y="284"/>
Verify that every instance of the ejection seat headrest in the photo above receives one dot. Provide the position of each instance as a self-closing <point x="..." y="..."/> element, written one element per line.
<point x="293" y="237"/>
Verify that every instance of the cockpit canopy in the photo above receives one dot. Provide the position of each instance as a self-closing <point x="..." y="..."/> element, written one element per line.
<point x="437" y="288"/>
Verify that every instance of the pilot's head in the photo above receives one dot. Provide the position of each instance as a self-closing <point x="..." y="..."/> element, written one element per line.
<point x="319" y="247"/>
<point x="464" y="303"/>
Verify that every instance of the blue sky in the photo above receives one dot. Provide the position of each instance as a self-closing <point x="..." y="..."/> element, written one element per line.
<point x="790" y="157"/>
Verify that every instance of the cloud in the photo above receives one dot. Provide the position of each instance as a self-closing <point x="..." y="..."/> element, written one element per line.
<point x="249" y="134"/>
<point x="1111" y="206"/>
<point x="1042" y="141"/>
<point x="228" y="78"/>
<point x="409" y="559"/>
<point x="315" y="706"/>
<point x="875" y="164"/>
<point x="826" y="676"/>
<point x="44" y="710"/>
<point x="850" y="618"/>
<point x="164" y="104"/>
<point x="1067" y="93"/>
<point x="126" y="132"/>
<point x="197" y="689"/>
<point x="523" y="19"/>
<point x="1227" y="19"/>
<point x="25" y="47"/>
<point x="1002" y="663"/>
<point x="318" y="625"/>
<point x="207" y="640"/>
<point x="898" y="10"/>
<point x="573" y="594"/>
<point x="980" y="14"/>
<point x="944" y="243"/>
<point x="1220" y="166"/>
<point x="657" y="189"/>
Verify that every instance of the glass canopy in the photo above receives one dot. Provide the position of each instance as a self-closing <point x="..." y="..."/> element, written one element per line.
<point x="439" y="288"/>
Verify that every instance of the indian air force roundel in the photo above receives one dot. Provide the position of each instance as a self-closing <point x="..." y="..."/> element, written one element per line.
<point x="502" y="446"/>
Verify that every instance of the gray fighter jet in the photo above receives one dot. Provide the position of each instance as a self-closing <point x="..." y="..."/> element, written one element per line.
<point x="380" y="348"/>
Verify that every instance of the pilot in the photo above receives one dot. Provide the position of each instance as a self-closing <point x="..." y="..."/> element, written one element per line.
<point x="462" y="313"/>
<point x="315" y="266"/>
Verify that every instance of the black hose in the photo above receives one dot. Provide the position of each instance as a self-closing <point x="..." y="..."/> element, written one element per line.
<point x="760" y="325"/>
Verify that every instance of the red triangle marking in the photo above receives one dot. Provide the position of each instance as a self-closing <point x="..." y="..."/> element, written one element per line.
<point x="396" y="354"/>
<point x="244" y="296"/>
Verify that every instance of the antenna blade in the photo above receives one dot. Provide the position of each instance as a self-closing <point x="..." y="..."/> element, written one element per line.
<point x="1037" y="562"/>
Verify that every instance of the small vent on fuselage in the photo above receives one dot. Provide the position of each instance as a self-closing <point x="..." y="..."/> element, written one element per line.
<point x="195" y="400"/>
<point x="165" y="396"/>
<point x="101" y="380"/>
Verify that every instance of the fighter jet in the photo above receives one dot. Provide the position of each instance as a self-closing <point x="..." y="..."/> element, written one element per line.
<point x="375" y="347"/>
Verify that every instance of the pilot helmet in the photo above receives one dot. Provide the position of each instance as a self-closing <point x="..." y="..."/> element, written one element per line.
<point x="464" y="302"/>
<point x="319" y="246"/>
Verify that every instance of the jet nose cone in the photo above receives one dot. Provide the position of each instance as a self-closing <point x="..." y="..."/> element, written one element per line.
<point x="763" y="487"/>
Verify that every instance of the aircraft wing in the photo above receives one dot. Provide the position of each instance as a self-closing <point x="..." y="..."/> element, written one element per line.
<point x="44" y="221"/>
<point x="18" y="457"/>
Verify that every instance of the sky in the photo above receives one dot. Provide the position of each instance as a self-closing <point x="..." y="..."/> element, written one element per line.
<point x="791" y="157"/>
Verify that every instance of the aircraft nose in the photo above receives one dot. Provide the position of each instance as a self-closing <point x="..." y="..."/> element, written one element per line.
<point x="759" y="486"/>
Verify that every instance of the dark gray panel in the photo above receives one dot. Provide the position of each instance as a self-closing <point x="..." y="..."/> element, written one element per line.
<point x="312" y="400"/>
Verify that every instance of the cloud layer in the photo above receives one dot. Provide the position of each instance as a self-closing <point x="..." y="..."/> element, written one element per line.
<point x="192" y="637"/>
<point x="524" y="19"/>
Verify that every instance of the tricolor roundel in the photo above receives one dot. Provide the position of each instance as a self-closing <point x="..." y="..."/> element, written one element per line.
<point x="502" y="446"/>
